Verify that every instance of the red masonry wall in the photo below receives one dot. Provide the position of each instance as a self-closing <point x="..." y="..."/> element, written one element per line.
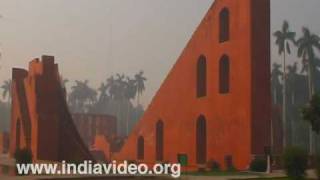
<point x="40" y="119"/>
<point x="237" y="123"/>
<point x="4" y="142"/>
<point x="90" y="125"/>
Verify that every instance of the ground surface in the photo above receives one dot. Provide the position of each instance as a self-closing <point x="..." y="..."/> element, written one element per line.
<point x="234" y="177"/>
<point x="277" y="175"/>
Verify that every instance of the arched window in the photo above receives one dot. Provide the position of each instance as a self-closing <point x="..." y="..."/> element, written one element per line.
<point x="202" y="76"/>
<point x="224" y="75"/>
<point x="224" y="25"/>
<point x="201" y="140"/>
<point x="140" y="148"/>
<point x="159" y="140"/>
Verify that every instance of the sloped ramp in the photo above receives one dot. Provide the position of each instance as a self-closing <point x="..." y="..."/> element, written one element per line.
<point x="40" y="119"/>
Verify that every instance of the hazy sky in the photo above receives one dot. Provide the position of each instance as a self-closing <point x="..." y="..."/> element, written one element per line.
<point x="92" y="39"/>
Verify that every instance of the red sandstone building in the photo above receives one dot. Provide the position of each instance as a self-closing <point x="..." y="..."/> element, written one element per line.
<point x="40" y="119"/>
<point x="4" y="143"/>
<point x="91" y="125"/>
<point x="215" y="102"/>
<point x="213" y="105"/>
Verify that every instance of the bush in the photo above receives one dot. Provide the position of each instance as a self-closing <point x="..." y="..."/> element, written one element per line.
<point x="23" y="156"/>
<point x="295" y="162"/>
<point x="258" y="165"/>
<point x="213" y="165"/>
<point x="232" y="168"/>
<point x="229" y="164"/>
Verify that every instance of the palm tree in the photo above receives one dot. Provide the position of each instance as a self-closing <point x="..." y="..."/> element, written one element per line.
<point x="103" y="89"/>
<point x="275" y="82"/>
<point x="130" y="93"/>
<point x="306" y="45"/>
<point x="7" y="89"/>
<point x="111" y="86"/>
<point x="120" y="87"/>
<point x="292" y="81"/>
<point x="120" y="99"/>
<point x="140" y="79"/>
<point x="311" y="113"/>
<point x="75" y="97"/>
<point x="275" y="90"/>
<point x="131" y="88"/>
<point x="82" y="97"/>
<point x="283" y="37"/>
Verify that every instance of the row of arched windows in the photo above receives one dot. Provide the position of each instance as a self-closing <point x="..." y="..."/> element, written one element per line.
<point x="159" y="143"/>
<point x="224" y="87"/>
<point x="224" y="76"/>
<point x="201" y="141"/>
<point x="224" y="64"/>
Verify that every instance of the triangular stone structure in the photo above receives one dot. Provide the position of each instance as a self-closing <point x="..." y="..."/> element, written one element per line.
<point x="215" y="102"/>
<point x="40" y="119"/>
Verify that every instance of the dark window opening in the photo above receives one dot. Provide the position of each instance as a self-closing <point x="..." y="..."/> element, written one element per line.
<point x="140" y="148"/>
<point x="202" y="77"/>
<point x="159" y="141"/>
<point x="224" y="25"/>
<point x="201" y="140"/>
<point x="224" y="75"/>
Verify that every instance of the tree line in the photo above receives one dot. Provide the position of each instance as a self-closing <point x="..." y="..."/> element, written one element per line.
<point x="294" y="90"/>
<point x="115" y="96"/>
